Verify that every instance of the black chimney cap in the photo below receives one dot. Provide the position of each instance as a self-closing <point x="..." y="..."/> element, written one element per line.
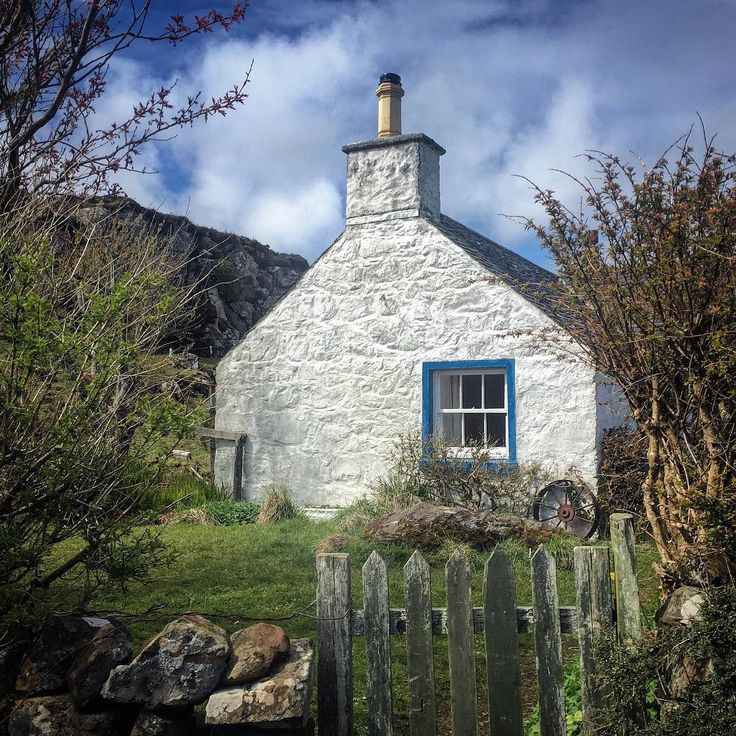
<point x="390" y="77"/>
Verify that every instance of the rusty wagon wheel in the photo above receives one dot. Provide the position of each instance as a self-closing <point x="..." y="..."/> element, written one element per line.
<point x="569" y="506"/>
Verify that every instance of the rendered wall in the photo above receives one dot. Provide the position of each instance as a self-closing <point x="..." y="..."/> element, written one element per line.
<point x="328" y="379"/>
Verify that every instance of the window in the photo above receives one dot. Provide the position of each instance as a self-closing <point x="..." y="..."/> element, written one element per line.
<point x="470" y="403"/>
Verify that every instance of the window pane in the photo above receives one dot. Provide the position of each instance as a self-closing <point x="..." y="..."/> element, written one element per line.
<point x="494" y="387"/>
<point x="471" y="392"/>
<point x="449" y="391"/>
<point x="496" y="430"/>
<point x="473" y="429"/>
<point x="452" y="429"/>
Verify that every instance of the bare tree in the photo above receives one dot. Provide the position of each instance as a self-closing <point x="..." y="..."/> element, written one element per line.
<point x="54" y="59"/>
<point x="647" y="288"/>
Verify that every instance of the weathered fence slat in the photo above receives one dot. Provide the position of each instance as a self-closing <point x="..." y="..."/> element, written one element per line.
<point x="502" y="646"/>
<point x="460" y="647"/>
<point x="593" y="583"/>
<point x="524" y="621"/>
<point x="628" y="610"/>
<point x="377" y="646"/>
<point x="238" y="468"/>
<point x="335" y="660"/>
<point x="419" y="655"/>
<point x="548" y="644"/>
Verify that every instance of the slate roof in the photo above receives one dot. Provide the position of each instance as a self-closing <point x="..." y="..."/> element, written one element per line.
<point x="532" y="282"/>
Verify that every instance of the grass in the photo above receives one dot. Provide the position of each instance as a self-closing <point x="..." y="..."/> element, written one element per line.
<point x="265" y="572"/>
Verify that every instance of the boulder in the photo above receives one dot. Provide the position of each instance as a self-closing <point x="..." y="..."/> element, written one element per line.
<point x="155" y="724"/>
<point x="427" y="526"/>
<point x="682" y="607"/>
<point x="254" y="650"/>
<point x="111" y="646"/>
<point x="279" y="700"/>
<point x="178" y="668"/>
<point x="11" y="654"/>
<point x="45" y="664"/>
<point x="55" y="715"/>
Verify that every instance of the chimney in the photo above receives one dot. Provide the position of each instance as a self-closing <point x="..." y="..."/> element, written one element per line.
<point x="393" y="176"/>
<point x="389" y="95"/>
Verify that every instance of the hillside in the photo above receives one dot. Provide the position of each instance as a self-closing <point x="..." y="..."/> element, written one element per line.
<point x="243" y="278"/>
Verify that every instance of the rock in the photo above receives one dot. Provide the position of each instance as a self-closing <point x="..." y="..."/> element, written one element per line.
<point x="154" y="724"/>
<point x="682" y="607"/>
<point x="238" y="278"/>
<point x="427" y="526"/>
<point x="188" y="361"/>
<point x="11" y="654"/>
<point x="62" y="638"/>
<point x="179" y="667"/>
<point x="279" y="700"/>
<point x="55" y="715"/>
<point x="111" y="646"/>
<point x="254" y="650"/>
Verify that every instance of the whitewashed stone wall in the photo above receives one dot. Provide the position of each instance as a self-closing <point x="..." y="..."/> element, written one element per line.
<point x="328" y="379"/>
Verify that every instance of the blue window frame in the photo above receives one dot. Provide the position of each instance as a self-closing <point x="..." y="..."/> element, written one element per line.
<point x="469" y="402"/>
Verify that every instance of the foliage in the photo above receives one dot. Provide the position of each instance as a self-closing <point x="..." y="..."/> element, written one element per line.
<point x="80" y="311"/>
<point x="427" y="469"/>
<point x="573" y="704"/>
<point x="637" y="682"/>
<point x="277" y="506"/>
<point x="647" y="292"/>
<point x="55" y="58"/>
<point x="179" y="491"/>
<point x="622" y="472"/>
<point x="228" y="512"/>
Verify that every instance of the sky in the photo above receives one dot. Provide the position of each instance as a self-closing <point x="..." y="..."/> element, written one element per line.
<point x="510" y="88"/>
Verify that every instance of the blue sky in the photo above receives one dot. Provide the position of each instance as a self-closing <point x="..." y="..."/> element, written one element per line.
<point x="508" y="87"/>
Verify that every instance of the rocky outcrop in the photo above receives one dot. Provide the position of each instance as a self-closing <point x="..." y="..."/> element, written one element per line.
<point x="241" y="278"/>
<point x="427" y="526"/>
<point x="280" y="700"/>
<point x="255" y="649"/>
<point x="178" y="668"/>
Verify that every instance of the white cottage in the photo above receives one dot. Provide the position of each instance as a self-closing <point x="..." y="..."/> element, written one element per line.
<point x="409" y="319"/>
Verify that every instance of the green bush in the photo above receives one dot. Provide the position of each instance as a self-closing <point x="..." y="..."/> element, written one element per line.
<point x="637" y="683"/>
<point x="228" y="512"/>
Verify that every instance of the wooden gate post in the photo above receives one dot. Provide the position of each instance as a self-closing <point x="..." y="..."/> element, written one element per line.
<point x="547" y="639"/>
<point x="460" y="647"/>
<point x="238" y="468"/>
<point x="334" y="648"/>
<point x="628" y="608"/>
<point x="502" y="646"/>
<point x="593" y="583"/>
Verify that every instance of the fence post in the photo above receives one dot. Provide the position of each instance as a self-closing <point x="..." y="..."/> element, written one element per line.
<point x="377" y="645"/>
<point x="460" y="647"/>
<point x="502" y="646"/>
<point x="334" y="648"/>
<point x="238" y="468"/>
<point x="550" y="675"/>
<point x="628" y="610"/>
<point x="593" y="584"/>
<point x="419" y="652"/>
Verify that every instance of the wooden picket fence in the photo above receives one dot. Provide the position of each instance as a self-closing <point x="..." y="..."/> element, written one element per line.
<point x="500" y="619"/>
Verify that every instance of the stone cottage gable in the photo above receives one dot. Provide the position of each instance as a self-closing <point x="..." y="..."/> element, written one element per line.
<point x="403" y="302"/>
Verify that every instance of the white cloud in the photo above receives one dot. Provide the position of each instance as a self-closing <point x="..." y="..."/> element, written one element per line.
<point x="507" y="87"/>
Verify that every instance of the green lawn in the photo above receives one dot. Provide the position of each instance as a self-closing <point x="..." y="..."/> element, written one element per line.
<point x="265" y="572"/>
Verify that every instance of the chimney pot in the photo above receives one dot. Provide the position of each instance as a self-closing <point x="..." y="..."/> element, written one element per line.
<point x="389" y="95"/>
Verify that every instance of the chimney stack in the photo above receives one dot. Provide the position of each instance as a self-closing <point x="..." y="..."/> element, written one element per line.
<point x="389" y="95"/>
